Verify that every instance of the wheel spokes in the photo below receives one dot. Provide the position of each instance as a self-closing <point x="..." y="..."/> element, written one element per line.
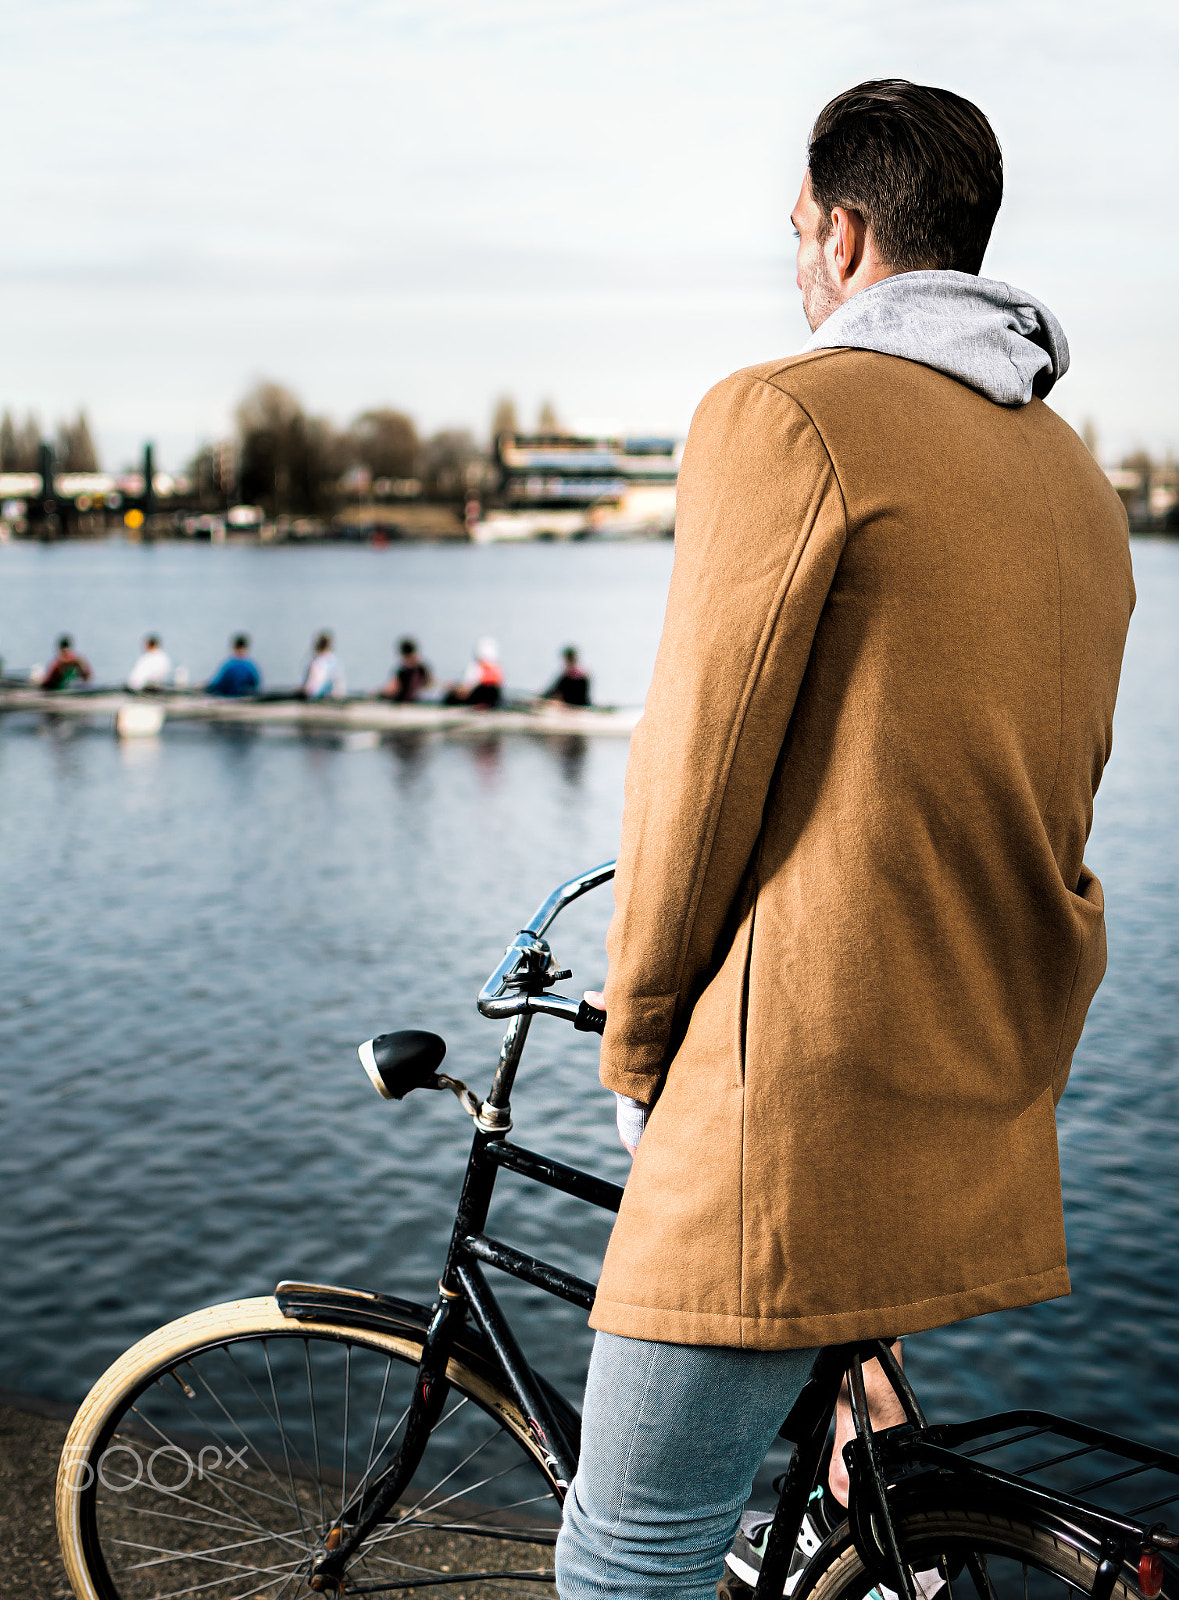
<point x="976" y="1565"/>
<point x="284" y="1434"/>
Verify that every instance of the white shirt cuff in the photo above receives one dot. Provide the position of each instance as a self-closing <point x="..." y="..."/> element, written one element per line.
<point x="631" y="1118"/>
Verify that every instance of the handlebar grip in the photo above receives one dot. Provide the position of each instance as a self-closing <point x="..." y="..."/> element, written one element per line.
<point x="589" y="1019"/>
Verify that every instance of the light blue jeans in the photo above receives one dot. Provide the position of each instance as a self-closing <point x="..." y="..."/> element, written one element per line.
<point x="672" y="1436"/>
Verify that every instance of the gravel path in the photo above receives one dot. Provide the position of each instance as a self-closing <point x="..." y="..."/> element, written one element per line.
<point x="31" y="1436"/>
<point x="30" y="1444"/>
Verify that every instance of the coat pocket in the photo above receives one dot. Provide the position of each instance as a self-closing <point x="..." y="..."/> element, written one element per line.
<point x="744" y="941"/>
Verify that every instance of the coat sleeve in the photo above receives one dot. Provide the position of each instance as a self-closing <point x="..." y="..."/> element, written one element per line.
<point x="760" y="527"/>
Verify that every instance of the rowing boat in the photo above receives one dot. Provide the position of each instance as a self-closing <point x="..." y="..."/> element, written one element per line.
<point x="134" y="715"/>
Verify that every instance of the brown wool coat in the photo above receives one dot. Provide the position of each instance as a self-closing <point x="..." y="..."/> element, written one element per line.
<point x="855" y="940"/>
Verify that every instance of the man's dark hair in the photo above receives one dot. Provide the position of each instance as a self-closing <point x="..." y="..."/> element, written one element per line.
<point x="241" y="641"/>
<point x="65" y="642"/>
<point x="408" y="647"/>
<point x="922" y="167"/>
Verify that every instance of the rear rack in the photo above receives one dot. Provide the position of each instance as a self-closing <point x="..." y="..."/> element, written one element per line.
<point x="1069" y="1460"/>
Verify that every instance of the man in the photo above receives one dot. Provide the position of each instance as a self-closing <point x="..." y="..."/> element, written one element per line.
<point x="854" y="939"/>
<point x="66" y="667"/>
<point x="572" y="688"/>
<point x="410" y="678"/>
<point x="153" y="670"/>
<point x="238" y="675"/>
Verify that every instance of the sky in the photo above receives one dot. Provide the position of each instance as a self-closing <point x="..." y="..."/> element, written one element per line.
<point x="383" y="202"/>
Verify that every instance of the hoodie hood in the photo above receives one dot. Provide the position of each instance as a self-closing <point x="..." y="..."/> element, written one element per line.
<point x="997" y="339"/>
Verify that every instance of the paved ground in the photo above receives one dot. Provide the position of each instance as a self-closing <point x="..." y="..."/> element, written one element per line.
<point x="30" y="1567"/>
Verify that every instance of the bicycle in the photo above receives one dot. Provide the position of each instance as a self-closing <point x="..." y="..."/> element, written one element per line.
<point x="333" y="1440"/>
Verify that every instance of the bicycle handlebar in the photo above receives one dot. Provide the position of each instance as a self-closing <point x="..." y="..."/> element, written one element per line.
<point x="547" y="913"/>
<point x="527" y="961"/>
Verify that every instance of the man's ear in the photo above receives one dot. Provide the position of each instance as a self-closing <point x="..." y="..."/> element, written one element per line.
<point x="847" y="241"/>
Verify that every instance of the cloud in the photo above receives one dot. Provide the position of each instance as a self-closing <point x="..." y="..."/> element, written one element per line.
<point x="453" y="170"/>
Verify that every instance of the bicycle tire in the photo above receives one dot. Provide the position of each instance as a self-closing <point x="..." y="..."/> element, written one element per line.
<point x="214" y="1457"/>
<point x="1010" y="1546"/>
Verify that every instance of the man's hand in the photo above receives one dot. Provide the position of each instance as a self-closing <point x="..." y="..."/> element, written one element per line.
<point x="631" y="1115"/>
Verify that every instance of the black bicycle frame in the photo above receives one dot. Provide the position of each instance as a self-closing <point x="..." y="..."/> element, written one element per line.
<point x="463" y="1291"/>
<point x="464" y="1284"/>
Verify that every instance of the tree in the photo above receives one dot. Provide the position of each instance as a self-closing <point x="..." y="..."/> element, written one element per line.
<point x="28" y="444"/>
<point x="503" y="418"/>
<point x="75" y="446"/>
<point x="214" y="472"/>
<point x="548" y="420"/>
<point x="288" y="461"/>
<point x="387" y="443"/>
<point x="451" y="460"/>
<point x="19" y="444"/>
<point x="1137" y="501"/>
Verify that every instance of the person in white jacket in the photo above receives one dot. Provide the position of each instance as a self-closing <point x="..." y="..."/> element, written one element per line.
<point x="324" y="677"/>
<point x="153" y="670"/>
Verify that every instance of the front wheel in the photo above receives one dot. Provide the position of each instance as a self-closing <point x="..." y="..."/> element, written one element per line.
<point x="215" y="1458"/>
<point x="956" y="1553"/>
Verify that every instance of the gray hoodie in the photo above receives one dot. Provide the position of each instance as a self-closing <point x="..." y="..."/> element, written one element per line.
<point x="995" y="338"/>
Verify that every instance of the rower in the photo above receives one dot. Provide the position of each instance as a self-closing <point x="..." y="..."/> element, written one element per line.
<point x="324" y="677"/>
<point x="409" y="678"/>
<point x="238" y="675"/>
<point x="153" y="670"/>
<point x="572" y="688"/>
<point x="483" y="682"/>
<point x="66" y="666"/>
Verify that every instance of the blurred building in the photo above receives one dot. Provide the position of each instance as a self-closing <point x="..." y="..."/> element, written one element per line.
<point x="1149" y="490"/>
<point x="571" y="485"/>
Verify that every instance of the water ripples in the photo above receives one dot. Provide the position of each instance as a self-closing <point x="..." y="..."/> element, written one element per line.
<point x="199" y="930"/>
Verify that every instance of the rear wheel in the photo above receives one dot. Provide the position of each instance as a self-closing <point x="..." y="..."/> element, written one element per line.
<point x="215" y="1458"/>
<point x="967" y="1554"/>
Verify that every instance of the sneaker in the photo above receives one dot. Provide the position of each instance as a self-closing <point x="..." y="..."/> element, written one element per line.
<point x="743" y="1562"/>
<point x="749" y="1547"/>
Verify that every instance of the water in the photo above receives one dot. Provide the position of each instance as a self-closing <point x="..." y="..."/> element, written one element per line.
<point x="534" y="599"/>
<point x="198" y="930"/>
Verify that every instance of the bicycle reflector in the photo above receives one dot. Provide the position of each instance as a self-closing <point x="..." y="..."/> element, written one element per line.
<point x="1150" y="1575"/>
<point x="399" y="1062"/>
